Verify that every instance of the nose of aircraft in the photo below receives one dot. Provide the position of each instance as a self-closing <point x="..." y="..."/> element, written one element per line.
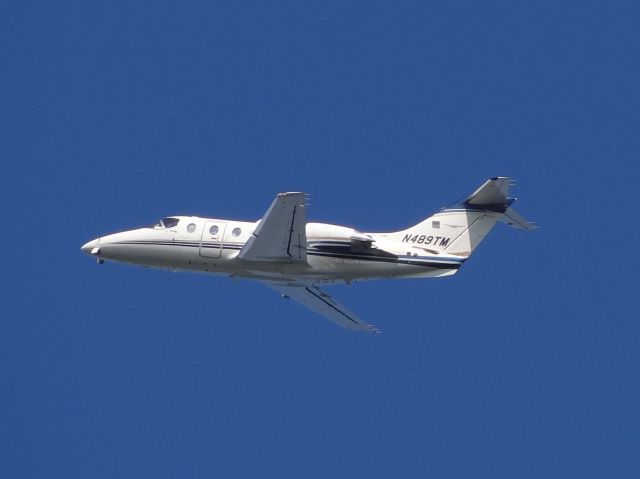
<point x="88" y="247"/>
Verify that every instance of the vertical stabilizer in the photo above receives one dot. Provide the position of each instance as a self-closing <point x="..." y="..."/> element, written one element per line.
<point x="458" y="229"/>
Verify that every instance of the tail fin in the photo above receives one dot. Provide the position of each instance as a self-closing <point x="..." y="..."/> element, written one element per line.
<point x="459" y="229"/>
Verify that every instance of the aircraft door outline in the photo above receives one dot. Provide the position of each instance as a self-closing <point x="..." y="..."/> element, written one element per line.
<point x="211" y="240"/>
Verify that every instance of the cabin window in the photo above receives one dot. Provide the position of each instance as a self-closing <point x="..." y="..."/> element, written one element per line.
<point x="435" y="224"/>
<point x="213" y="230"/>
<point x="236" y="232"/>
<point x="191" y="227"/>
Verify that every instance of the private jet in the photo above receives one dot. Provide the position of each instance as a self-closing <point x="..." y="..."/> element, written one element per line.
<point x="295" y="257"/>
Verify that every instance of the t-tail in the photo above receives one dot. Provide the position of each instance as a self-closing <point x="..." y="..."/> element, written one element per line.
<point x="458" y="229"/>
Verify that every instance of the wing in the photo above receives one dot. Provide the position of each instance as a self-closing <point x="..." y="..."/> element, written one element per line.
<point x="322" y="304"/>
<point x="281" y="234"/>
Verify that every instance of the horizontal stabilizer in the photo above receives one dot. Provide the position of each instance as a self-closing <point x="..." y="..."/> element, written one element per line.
<point x="494" y="191"/>
<point x="516" y="221"/>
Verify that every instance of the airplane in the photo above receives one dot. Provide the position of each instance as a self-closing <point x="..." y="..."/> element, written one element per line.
<point x="295" y="257"/>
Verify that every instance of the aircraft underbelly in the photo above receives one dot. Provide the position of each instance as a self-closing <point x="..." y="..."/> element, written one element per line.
<point x="318" y="268"/>
<point x="349" y="269"/>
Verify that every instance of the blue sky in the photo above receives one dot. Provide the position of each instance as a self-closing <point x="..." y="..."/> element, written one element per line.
<point x="525" y="364"/>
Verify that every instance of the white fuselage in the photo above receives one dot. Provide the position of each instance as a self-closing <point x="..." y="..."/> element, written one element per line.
<point x="293" y="257"/>
<point x="334" y="253"/>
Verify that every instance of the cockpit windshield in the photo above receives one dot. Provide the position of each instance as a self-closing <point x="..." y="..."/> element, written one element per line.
<point x="167" y="223"/>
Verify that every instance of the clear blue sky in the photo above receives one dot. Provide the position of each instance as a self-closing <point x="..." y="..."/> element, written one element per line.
<point x="525" y="364"/>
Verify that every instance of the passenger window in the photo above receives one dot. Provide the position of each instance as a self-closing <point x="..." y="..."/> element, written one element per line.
<point x="236" y="232"/>
<point x="213" y="230"/>
<point x="191" y="227"/>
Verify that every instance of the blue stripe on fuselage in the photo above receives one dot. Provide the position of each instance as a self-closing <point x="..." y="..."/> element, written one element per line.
<point x="426" y="261"/>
